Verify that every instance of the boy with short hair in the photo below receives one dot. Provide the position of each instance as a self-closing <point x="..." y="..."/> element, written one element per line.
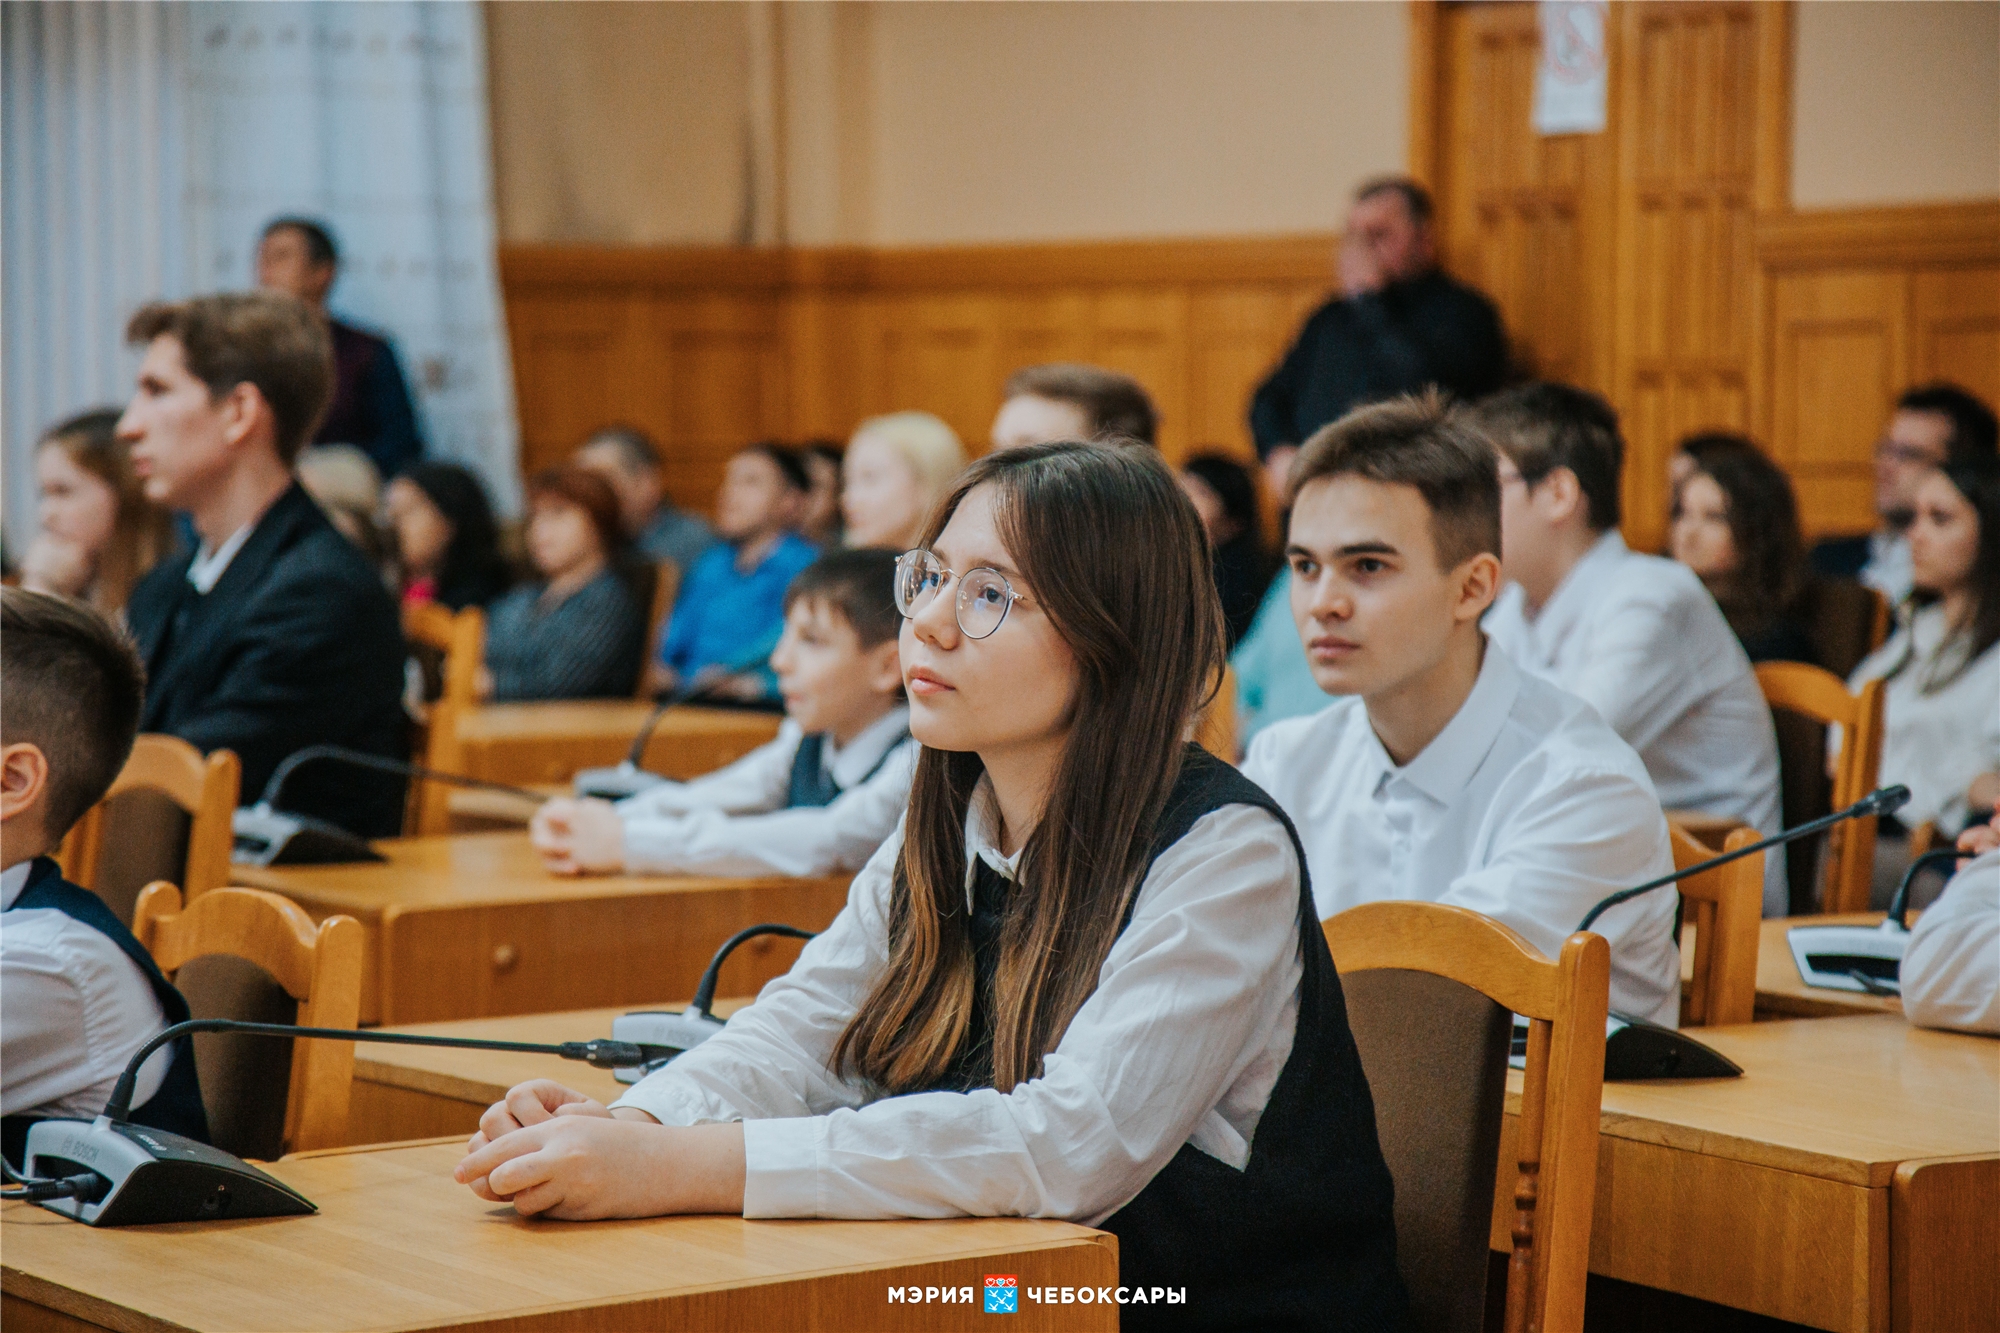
<point x="1445" y="773"/>
<point x="79" y="992"/>
<point x="732" y="602"/>
<point x="818" y="799"/>
<point x="1068" y="400"/>
<point x="1635" y="636"/>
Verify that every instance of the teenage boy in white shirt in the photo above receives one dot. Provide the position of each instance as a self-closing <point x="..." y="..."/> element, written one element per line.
<point x="817" y="800"/>
<point x="1444" y="773"/>
<point x="1637" y="637"/>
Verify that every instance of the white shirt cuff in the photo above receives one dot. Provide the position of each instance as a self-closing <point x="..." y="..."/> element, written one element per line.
<point x="781" y="1161"/>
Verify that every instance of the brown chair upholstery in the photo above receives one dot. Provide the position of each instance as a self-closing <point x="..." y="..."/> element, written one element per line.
<point x="248" y="954"/>
<point x="1429" y="1048"/>
<point x="166" y="816"/>
<point x="1845" y="620"/>
<point x="456" y="642"/>
<point x="1804" y="701"/>
<point x="1435" y="1052"/>
<point x="655" y="585"/>
<point x="1215" y="728"/>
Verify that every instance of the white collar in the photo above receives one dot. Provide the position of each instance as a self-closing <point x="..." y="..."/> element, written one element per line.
<point x="12" y="880"/>
<point x="982" y="838"/>
<point x="849" y="765"/>
<point x="1443" y="768"/>
<point x="1572" y="599"/>
<point x="209" y="566"/>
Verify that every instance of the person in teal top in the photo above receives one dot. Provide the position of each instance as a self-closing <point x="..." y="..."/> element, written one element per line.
<point x="732" y="603"/>
<point x="1273" y="679"/>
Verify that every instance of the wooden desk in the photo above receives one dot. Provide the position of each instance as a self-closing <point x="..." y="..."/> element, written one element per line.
<point x="397" y="1245"/>
<point x="532" y="743"/>
<point x="472" y="926"/>
<point x="1799" y="1190"/>
<point x="1782" y="992"/>
<point x="420" y="1092"/>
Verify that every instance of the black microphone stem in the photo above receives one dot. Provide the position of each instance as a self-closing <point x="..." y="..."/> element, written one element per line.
<point x="283" y="772"/>
<point x="1875" y="803"/>
<point x="602" y="1053"/>
<point x="703" y="682"/>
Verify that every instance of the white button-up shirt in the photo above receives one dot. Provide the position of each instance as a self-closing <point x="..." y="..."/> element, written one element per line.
<point x="1525" y="808"/>
<point x="1889" y="570"/>
<point x="1940" y="716"/>
<point x="1951" y="971"/>
<point x="75" y="1009"/>
<point x="1641" y="640"/>
<point x="208" y="567"/>
<point x="1182" y="1042"/>
<point x="734" y="821"/>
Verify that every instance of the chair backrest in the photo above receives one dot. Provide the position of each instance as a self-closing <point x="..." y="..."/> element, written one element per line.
<point x="1216" y="727"/>
<point x="461" y="639"/>
<point x="659" y="603"/>
<point x="1727" y="905"/>
<point x="1555" y="1171"/>
<point x="205" y="788"/>
<point x="1845" y="620"/>
<point x="1822" y="697"/>
<point x="316" y="965"/>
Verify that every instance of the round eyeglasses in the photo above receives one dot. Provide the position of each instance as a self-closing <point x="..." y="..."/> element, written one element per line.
<point x="984" y="595"/>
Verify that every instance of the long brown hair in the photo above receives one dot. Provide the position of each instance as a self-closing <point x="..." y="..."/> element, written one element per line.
<point x="1115" y="555"/>
<point x="1763" y="525"/>
<point x="142" y="534"/>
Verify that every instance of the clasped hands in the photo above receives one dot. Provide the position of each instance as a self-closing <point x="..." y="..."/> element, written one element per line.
<point x="553" y="1152"/>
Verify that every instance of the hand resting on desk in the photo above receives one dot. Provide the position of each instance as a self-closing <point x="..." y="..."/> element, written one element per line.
<point x="579" y="837"/>
<point x="552" y="1151"/>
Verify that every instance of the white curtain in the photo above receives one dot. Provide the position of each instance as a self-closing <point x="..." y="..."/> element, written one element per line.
<point x="146" y="145"/>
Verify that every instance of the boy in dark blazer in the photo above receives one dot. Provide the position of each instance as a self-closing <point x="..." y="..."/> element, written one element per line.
<point x="274" y="634"/>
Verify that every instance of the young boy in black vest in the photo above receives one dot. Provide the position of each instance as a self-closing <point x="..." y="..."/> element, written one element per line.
<point x="80" y="994"/>
<point x="817" y="800"/>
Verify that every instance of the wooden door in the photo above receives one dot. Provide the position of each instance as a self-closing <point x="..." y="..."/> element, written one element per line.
<point x="1623" y="260"/>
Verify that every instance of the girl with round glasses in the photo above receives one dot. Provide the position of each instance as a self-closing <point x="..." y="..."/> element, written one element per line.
<point x="1085" y="980"/>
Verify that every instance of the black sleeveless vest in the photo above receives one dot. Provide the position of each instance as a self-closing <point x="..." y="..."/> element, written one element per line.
<point x="1304" y="1236"/>
<point x="812" y="785"/>
<point x="176" y="1107"/>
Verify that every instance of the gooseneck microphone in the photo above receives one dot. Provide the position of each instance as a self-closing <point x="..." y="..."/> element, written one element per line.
<point x="266" y="835"/>
<point x="1886" y="800"/>
<point x="111" y="1172"/>
<point x="629" y="777"/>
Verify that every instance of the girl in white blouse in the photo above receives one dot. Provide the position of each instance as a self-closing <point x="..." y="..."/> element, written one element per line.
<point x="1941" y="733"/>
<point x="1085" y="980"/>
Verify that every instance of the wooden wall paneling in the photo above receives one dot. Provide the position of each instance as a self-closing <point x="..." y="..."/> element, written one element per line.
<point x="1955" y="327"/>
<point x="1143" y="331"/>
<point x="570" y="367"/>
<point x="1839" y="343"/>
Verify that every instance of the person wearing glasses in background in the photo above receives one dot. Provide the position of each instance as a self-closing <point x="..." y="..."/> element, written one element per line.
<point x="1931" y="426"/>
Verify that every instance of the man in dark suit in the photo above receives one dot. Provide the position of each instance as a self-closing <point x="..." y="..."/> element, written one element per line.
<point x="1399" y="325"/>
<point x="1931" y="426"/>
<point x="275" y="634"/>
<point x="371" y="407"/>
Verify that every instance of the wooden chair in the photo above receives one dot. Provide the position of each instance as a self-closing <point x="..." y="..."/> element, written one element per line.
<point x="318" y="966"/>
<point x="1215" y="729"/>
<point x="1845" y="620"/>
<point x="1823" y="699"/>
<point x="205" y="788"/>
<point x="1728" y="909"/>
<point x="460" y="637"/>
<point x="659" y="599"/>
<point x="1429" y="992"/>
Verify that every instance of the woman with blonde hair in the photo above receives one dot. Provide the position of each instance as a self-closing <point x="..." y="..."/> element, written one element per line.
<point x="897" y="467"/>
<point x="97" y="533"/>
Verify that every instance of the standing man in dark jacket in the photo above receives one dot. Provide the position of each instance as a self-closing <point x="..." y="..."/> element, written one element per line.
<point x="371" y="406"/>
<point x="1399" y="325"/>
<point x="275" y="634"/>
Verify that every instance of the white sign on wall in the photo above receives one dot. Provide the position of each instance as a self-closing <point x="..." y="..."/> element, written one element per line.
<point x="1571" y="79"/>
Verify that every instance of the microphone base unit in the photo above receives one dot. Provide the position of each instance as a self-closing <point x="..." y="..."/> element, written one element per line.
<point x="1636" y="1050"/>
<point x="682" y="1031"/>
<point x="148" y="1175"/>
<point x="267" y="837"/>
<point x="1830" y="957"/>
<point x="615" y="784"/>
